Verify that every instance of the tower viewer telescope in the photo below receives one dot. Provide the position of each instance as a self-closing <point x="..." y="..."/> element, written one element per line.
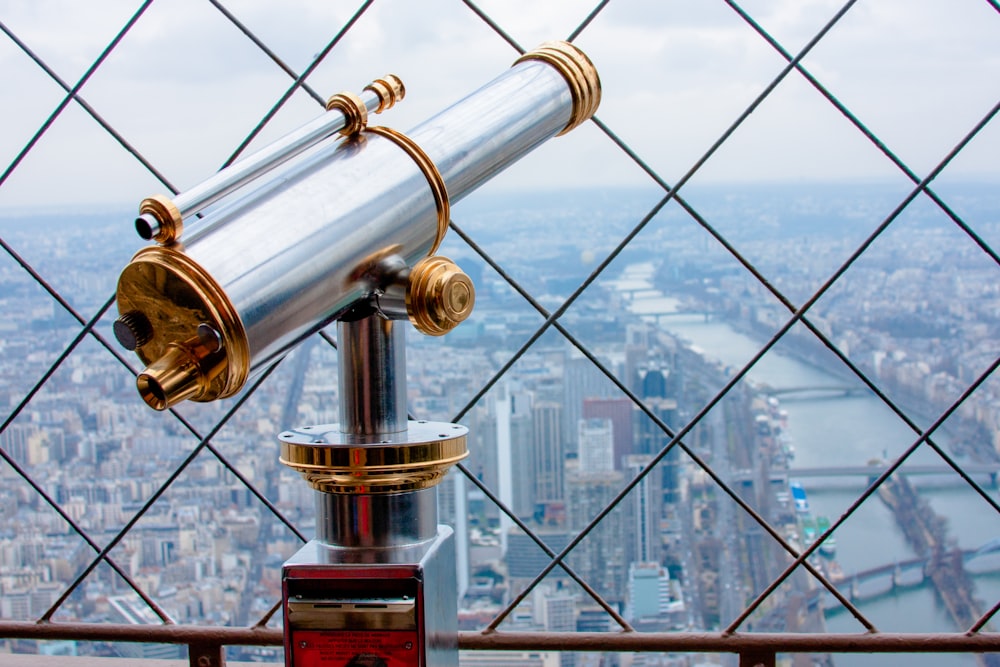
<point x="318" y="228"/>
<point x="335" y="217"/>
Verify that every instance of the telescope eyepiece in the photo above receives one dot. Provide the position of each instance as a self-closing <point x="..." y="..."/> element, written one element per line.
<point x="159" y="220"/>
<point x="184" y="372"/>
<point x="151" y="392"/>
<point x="147" y="227"/>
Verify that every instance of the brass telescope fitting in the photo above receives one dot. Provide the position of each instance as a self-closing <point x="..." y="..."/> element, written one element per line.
<point x="439" y="296"/>
<point x="182" y="325"/>
<point x="334" y="462"/>
<point x="579" y="73"/>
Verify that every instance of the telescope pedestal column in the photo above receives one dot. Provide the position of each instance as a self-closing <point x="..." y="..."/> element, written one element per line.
<point x="377" y="586"/>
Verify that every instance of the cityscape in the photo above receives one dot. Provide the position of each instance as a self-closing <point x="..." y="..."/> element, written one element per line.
<point x="557" y="438"/>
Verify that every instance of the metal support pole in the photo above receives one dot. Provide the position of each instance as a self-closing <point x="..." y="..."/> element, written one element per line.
<point x="378" y="582"/>
<point x="372" y="355"/>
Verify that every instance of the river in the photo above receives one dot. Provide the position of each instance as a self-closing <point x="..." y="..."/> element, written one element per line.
<point x="849" y="431"/>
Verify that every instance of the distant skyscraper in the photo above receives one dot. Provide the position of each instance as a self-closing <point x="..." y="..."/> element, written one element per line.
<point x="596" y="442"/>
<point x="513" y="429"/>
<point x="581" y="379"/>
<point x="505" y="473"/>
<point x="483" y="458"/>
<point x="25" y="443"/>
<point x="644" y="505"/>
<point x="548" y="454"/>
<point x="655" y="385"/>
<point x="522" y="441"/>
<point x="600" y="557"/>
<point x="525" y="559"/>
<point x="620" y="412"/>
<point x="130" y="610"/>
<point x="553" y="610"/>
<point x="649" y="592"/>
<point x="453" y="511"/>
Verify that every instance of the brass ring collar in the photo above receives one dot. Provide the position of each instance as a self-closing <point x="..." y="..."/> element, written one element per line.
<point x="431" y="173"/>
<point x="579" y="73"/>
<point x="389" y="90"/>
<point x="354" y="110"/>
<point x="335" y="462"/>
<point x="162" y="209"/>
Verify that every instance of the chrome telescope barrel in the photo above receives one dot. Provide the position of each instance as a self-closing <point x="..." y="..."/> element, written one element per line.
<point x="329" y="228"/>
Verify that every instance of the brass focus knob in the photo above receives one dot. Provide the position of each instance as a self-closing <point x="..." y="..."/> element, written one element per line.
<point x="439" y="296"/>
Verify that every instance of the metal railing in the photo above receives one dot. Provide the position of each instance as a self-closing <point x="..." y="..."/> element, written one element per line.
<point x="205" y="644"/>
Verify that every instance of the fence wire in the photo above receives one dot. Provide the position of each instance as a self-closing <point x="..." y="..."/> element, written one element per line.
<point x="676" y="438"/>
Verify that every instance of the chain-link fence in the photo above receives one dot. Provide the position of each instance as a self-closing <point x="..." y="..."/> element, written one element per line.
<point x="764" y="184"/>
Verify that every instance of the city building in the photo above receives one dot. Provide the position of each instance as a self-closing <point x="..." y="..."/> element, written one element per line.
<point x="600" y="557"/>
<point x="620" y="412"/>
<point x="596" y="444"/>
<point x="644" y="509"/>
<point x="549" y="460"/>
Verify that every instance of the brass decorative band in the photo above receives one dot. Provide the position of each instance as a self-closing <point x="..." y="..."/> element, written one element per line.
<point x="580" y="74"/>
<point x="177" y="296"/>
<point x="416" y="459"/>
<point x="354" y="110"/>
<point x="167" y="214"/>
<point x="431" y="172"/>
<point x="389" y="89"/>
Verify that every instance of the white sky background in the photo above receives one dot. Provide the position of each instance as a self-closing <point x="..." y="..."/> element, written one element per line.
<point x="185" y="86"/>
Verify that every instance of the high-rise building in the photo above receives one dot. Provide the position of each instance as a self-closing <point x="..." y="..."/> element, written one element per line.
<point x="128" y="609"/>
<point x="453" y="511"/>
<point x="25" y="443"/>
<point x="514" y="459"/>
<point x="482" y="461"/>
<point x="619" y="411"/>
<point x="644" y="505"/>
<point x="600" y="557"/>
<point x="554" y="610"/>
<point x="648" y="591"/>
<point x="522" y="444"/>
<point x="596" y="442"/>
<point x="525" y="559"/>
<point x="548" y="456"/>
<point x="655" y="385"/>
<point x="581" y="379"/>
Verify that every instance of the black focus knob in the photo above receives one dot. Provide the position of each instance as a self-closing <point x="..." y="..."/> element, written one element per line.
<point x="133" y="330"/>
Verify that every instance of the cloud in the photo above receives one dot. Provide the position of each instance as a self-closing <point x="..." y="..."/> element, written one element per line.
<point x="185" y="86"/>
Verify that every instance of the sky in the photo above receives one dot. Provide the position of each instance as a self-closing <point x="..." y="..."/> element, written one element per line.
<point x="184" y="87"/>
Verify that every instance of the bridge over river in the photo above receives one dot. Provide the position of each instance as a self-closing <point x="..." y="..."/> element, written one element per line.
<point x="985" y="474"/>
<point x="977" y="471"/>
<point x="884" y="579"/>
<point x="810" y="392"/>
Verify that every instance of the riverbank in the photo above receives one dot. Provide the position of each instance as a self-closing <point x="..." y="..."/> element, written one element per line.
<point x="967" y="435"/>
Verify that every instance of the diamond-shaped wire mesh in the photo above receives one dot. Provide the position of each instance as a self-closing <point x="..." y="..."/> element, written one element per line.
<point x="811" y="186"/>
